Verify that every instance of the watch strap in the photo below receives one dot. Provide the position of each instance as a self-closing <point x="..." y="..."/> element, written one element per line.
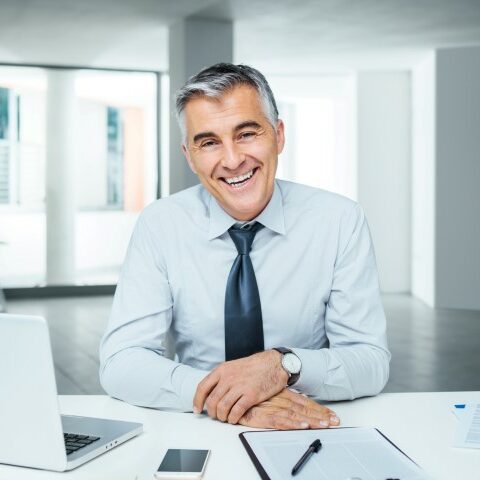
<point x="282" y="350"/>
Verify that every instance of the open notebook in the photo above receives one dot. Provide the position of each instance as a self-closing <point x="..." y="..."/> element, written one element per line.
<point x="347" y="454"/>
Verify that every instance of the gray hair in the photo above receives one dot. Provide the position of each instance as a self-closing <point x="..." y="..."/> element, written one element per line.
<point x="218" y="79"/>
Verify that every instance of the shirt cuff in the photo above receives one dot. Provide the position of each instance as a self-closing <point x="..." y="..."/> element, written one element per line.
<point x="185" y="380"/>
<point x="313" y="372"/>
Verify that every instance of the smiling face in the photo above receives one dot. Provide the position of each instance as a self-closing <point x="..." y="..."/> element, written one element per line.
<point x="233" y="149"/>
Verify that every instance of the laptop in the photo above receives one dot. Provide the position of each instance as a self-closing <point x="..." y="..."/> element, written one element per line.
<point x="33" y="433"/>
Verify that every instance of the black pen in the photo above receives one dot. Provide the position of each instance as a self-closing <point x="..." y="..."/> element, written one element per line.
<point x="313" y="448"/>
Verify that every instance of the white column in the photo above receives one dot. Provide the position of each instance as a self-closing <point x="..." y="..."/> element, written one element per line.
<point x="457" y="192"/>
<point x="423" y="180"/>
<point x="60" y="177"/>
<point x="383" y="156"/>
<point x="194" y="43"/>
<point x="446" y="194"/>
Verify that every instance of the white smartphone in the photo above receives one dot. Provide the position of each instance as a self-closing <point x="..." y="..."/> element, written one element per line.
<point x="183" y="464"/>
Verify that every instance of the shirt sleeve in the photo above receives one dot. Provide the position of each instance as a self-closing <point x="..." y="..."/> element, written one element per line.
<point x="134" y="351"/>
<point x="357" y="361"/>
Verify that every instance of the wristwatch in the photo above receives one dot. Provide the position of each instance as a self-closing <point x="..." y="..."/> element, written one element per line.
<point x="291" y="364"/>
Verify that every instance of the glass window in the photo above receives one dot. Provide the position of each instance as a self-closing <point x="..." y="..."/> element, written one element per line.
<point x="4" y="147"/>
<point x="115" y="163"/>
<point x="115" y="157"/>
<point x="4" y="114"/>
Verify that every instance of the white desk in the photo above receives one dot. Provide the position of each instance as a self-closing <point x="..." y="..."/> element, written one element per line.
<point x="420" y="424"/>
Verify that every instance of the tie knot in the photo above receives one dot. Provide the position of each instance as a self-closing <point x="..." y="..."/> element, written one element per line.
<point x="243" y="237"/>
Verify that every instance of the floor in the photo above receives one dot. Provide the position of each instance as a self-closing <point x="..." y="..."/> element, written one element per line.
<point x="432" y="349"/>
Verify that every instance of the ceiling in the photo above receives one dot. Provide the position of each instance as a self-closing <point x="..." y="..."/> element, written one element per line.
<point x="352" y="33"/>
<point x="278" y="36"/>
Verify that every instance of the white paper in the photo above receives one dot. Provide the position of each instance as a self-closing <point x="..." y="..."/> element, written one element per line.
<point x="468" y="429"/>
<point x="346" y="453"/>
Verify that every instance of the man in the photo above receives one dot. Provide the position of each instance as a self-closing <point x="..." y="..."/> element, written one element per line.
<point x="261" y="285"/>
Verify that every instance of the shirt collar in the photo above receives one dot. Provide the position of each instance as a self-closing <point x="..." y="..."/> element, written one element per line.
<point x="272" y="216"/>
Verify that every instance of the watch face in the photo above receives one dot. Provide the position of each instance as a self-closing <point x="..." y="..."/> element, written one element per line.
<point x="292" y="363"/>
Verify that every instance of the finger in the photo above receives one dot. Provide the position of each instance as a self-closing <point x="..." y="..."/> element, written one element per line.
<point x="258" y="418"/>
<point x="321" y="412"/>
<point x="301" y="418"/>
<point x="310" y="407"/>
<point x="225" y="405"/>
<point x="320" y="418"/>
<point x="203" y="390"/>
<point x="296" y="398"/>
<point x="278" y="402"/>
<point x="319" y="415"/>
<point x="241" y="406"/>
<point x="301" y="399"/>
<point x="334" y="419"/>
<point x="281" y="422"/>
<point x="214" y="397"/>
<point x="327" y="419"/>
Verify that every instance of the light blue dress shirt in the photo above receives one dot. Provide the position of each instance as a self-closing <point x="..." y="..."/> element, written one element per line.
<point x="318" y="283"/>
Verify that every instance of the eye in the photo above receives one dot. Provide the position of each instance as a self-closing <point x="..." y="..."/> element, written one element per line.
<point x="247" y="135"/>
<point x="208" y="144"/>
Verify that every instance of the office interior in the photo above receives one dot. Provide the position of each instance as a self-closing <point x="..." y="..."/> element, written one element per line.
<point x="381" y="101"/>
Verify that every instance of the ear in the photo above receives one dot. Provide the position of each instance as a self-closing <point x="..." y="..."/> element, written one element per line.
<point x="280" y="131"/>
<point x="187" y="156"/>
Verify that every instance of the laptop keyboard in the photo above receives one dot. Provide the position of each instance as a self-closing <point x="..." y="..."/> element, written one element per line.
<point x="75" y="442"/>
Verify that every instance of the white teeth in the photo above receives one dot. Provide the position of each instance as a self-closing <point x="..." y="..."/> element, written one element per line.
<point x="241" y="178"/>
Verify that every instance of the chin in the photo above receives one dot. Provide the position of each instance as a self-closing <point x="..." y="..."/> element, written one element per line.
<point x="246" y="214"/>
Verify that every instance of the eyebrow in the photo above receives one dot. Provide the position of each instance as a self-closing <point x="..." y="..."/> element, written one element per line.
<point x="240" y="126"/>
<point x="201" y="135"/>
<point x="247" y="124"/>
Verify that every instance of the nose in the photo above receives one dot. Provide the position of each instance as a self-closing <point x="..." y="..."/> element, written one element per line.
<point x="232" y="157"/>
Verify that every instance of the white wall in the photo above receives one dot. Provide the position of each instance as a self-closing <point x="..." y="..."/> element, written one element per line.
<point x="318" y="112"/>
<point x="423" y="180"/>
<point x="383" y="166"/>
<point x="458" y="178"/>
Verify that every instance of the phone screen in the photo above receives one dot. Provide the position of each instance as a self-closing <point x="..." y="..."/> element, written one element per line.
<point x="177" y="460"/>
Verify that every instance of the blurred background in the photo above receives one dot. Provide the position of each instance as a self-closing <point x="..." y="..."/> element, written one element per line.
<point x="381" y="100"/>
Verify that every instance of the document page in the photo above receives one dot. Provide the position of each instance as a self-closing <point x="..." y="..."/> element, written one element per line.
<point x="468" y="430"/>
<point x="346" y="454"/>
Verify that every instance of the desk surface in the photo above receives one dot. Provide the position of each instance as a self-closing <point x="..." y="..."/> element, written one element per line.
<point x="421" y="424"/>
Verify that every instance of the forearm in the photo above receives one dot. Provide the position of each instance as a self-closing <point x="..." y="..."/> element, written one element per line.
<point x="343" y="373"/>
<point x="143" y="377"/>
<point x="357" y="362"/>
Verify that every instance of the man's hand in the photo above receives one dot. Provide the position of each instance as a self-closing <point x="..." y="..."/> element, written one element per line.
<point x="235" y="386"/>
<point x="288" y="411"/>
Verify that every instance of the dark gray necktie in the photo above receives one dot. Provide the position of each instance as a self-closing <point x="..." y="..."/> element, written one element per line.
<point x="243" y="312"/>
